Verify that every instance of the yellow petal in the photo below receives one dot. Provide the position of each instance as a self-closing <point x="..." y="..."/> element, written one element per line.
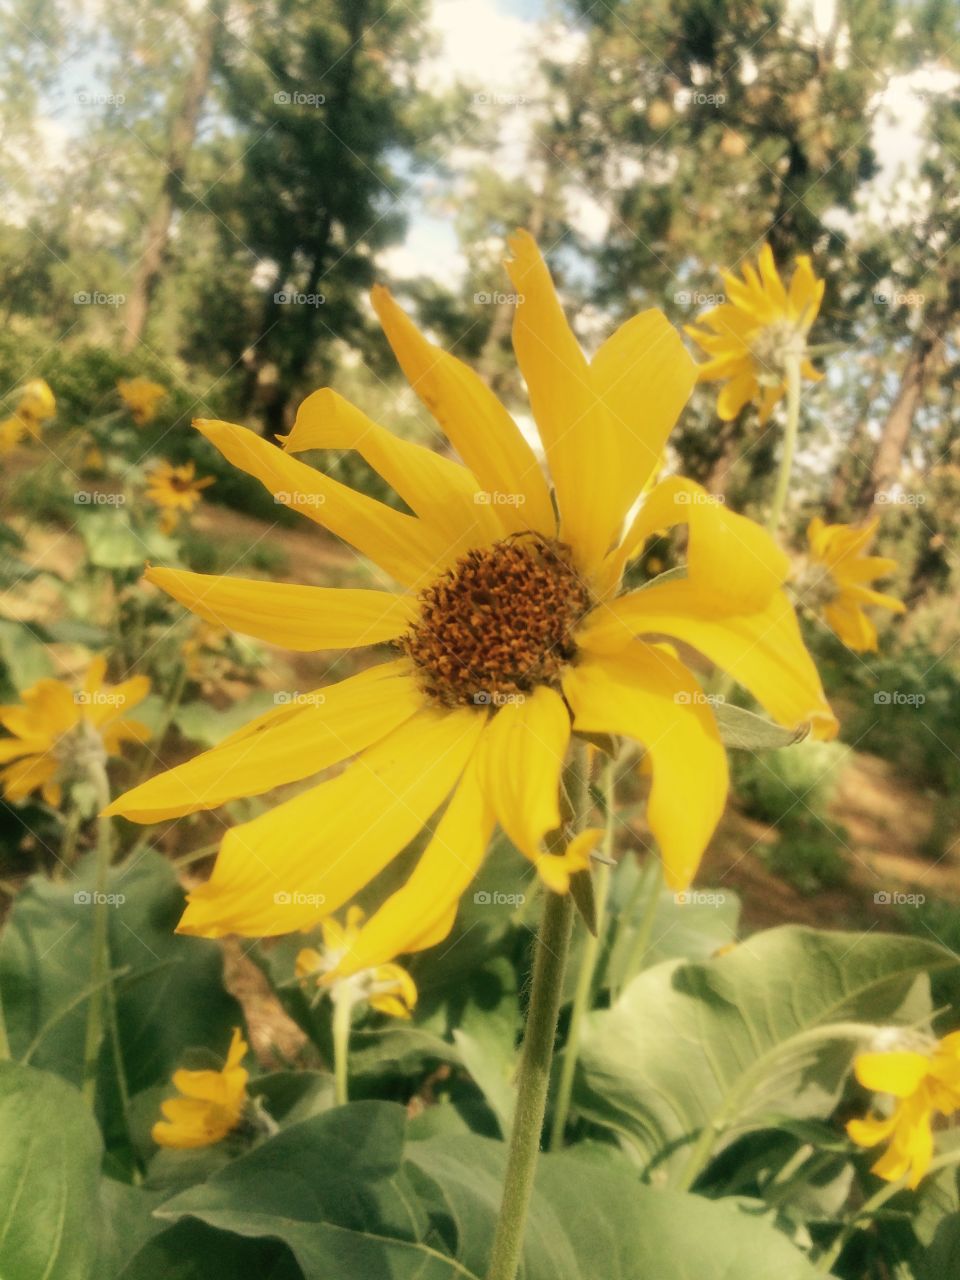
<point x="764" y="650"/>
<point x="646" y="694"/>
<point x="899" y="1073"/>
<point x="302" y="860"/>
<point x="730" y="558"/>
<point x="578" y="439"/>
<point x="328" y="726"/>
<point x="442" y="492"/>
<point x="643" y="376"/>
<point x="555" y="869"/>
<point x="422" y="912"/>
<point x="400" y="544"/>
<point x="735" y="395"/>
<point x="292" y="616"/>
<point x="521" y="758"/>
<point x="871" y="1130"/>
<point x="473" y="420"/>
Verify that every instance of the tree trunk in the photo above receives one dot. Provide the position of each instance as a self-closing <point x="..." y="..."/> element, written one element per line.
<point x="183" y="132"/>
<point x="888" y="458"/>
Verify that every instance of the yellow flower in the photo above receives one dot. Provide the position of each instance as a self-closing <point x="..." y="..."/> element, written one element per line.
<point x="510" y="632"/>
<point x="750" y="336"/>
<point x="176" y="490"/>
<point x="12" y="431"/>
<point x="920" y="1084"/>
<point x="837" y="552"/>
<point x="211" y="1106"/>
<point x="53" y="726"/>
<point x="141" y="396"/>
<point x="386" y="987"/>
<point x="36" y="404"/>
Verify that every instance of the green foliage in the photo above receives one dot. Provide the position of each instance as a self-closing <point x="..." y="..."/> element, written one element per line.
<point x="776" y="785"/>
<point x="809" y="854"/>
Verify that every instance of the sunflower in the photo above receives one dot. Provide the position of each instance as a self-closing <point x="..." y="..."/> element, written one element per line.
<point x="921" y="1083"/>
<point x="36" y="404"/>
<point x="509" y="628"/>
<point x="176" y="490"/>
<point x="141" y="396"/>
<point x="388" y="988"/>
<point x="54" y="725"/>
<point x="211" y="1106"/>
<point x="840" y="573"/>
<point x="751" y="337"/>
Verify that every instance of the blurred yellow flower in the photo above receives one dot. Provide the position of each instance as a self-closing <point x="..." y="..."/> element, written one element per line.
<point x="837" y="553"/>
<point x="54" y="725"/>
<point x="176" y="490"/>
<point x="211" y="1104"/>
<point x="510" y="632"/>
<point x="36" y="404"/>
<point x="750" y="337"/>
<point x="921" y="1085"/>
<point x="386" y="987"/>
<point x="12" y="432"/>
<point x="141" y="396"/>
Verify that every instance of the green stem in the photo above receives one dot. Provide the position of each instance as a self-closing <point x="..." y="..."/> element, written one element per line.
<point x="583" y="996"/>
<point x="342" y="1009"/>
<point x="789" y="443"/>
<point x="100" y="962"/>
<point x="533" y="1081"/>
<point x="877" y="1201"/>
<point x="641" y="939"/>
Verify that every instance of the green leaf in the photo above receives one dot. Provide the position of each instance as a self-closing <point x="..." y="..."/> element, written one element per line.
<point x="23" y="655"/>
<point x="201" y="724"/>
<point x="726" y="1043"/>
<point x="191" y="1250"/>
<point x="50" y="1151"/>
<point x="354" y="1198"/>
<point x="111" y="540"/>
<point x="749" y="732"/>
<point x="170" y="999"/>
<point x="942" y="1259"/>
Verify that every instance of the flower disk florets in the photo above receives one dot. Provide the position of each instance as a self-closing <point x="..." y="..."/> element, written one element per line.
<point x="499" y="623"/>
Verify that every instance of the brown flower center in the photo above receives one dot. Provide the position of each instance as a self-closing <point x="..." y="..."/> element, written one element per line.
<point x="498" y="623"/>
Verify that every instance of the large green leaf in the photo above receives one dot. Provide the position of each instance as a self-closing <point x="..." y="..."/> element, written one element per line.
<point x="50" y="1152"/>
<point x="725" y="1044"/>
<point x="352" y="1199"/>
<point x="169" y="992"/>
